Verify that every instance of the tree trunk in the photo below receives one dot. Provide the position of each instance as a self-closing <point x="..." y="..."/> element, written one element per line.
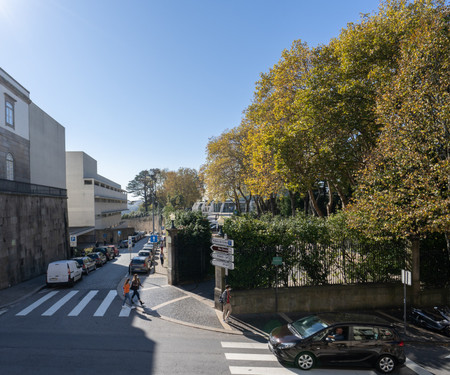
<point x="341" y="194"/>
<point x="314" y="203"/>
<point x="330" y="199"/>
<point x="292" y="198"/>
<point x="415" y="270"/>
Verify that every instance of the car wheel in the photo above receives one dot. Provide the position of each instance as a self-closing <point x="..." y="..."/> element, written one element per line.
<point x="306" y="361"/>
<point x="386" y="364"/>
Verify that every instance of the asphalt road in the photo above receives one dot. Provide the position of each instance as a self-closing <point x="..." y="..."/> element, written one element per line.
<point x="84" y="330"/>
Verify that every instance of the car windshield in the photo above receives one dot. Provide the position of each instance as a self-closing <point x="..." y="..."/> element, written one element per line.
<point x="308" y="326"/>
<point x="137" y="261"/>
<point x="144" y="253"/>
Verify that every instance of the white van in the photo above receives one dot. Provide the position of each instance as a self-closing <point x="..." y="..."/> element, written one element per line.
<point x="64" y="272"/>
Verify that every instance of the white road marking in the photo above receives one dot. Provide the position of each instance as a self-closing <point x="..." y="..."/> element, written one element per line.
<point x="60" y="303"/>
<point x="285" y="317"/>
<point x="243" y="345"/>
<point x="106" y="302"/>
<point x="125" y="312"/>
<point x="250" y="357"/>
<point x="416" y="368"/>
<point x="36" y="304"/>
<point x="168" y="302"/>
<point x="242" y="370"/>
<point x="78" y="308"/>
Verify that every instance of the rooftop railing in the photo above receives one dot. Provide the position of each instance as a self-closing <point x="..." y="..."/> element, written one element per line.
<point x="7" y="186"/>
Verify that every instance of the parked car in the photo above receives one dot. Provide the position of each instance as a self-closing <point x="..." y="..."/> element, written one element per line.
<point x="86" y="263"/>
<point x="107" y="252"/>
<point x="139" y="264"/>
<point x="115" y="249"/>
<point x="124" y="244"/>
<point x="315" y="339"/>
<point x="433" y="320"/>
<point x="64" y="272"/>
<point x="98" y="257"/>
<point x="148" y="254"/>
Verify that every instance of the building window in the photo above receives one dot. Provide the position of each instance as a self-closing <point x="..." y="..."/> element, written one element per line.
<point x="9" y="167"/>
<point x="9" y="111"/>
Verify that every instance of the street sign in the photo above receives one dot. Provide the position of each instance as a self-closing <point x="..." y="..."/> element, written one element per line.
<point x="130" y="242"/>
<point x="277" y="261"/>
<point x="119" y="232"/>
<point x="223" y="264"/>
<point x="406" y="277"/>
<point x="73" y="241"/>
<point x="153" y="238"/>
<point x="226" y="250"/>
<point x="222" y="242"/>
<point x="222" y="256"/>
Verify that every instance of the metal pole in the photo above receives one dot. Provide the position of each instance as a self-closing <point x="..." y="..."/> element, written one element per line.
<point x="404" y="305"/>
<point x="153" y="207"/>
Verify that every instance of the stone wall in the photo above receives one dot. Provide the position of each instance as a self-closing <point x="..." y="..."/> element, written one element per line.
<point x="144" y="224"/>
<point x="33" y="233"/>
<point x="329" y="298"/>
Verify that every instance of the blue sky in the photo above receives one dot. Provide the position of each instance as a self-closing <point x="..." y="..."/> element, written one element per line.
<point x="144" y="84"/>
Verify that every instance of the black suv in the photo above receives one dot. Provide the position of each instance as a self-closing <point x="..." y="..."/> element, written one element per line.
<point x="338" y="338"/>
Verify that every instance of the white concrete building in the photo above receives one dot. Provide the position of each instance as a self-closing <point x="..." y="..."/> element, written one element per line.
<point x="94" y="202"/>
<point x="47" y="149"/>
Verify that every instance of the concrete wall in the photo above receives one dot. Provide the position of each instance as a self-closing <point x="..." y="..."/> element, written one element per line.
<point x="33" y="233"/>
<point x="329" y="298"/>
<point x="94" y="201"/>
<point x="47" y="149"/>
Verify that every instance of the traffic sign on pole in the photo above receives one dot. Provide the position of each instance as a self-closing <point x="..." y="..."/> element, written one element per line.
<point x="226" y="250"/>
<point x="222" y="256"/>
<point x="222" y="242"/>
<point x="223" y="264"/>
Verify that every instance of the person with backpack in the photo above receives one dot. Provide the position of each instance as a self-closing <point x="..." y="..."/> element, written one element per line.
<point x="135" y="284"/>
<point x="226" y="300"/>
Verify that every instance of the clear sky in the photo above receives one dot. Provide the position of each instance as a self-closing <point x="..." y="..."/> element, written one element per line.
<point x="142" y="84"/>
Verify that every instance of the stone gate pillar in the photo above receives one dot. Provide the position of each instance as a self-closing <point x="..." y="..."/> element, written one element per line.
<point x="172" y="257"/>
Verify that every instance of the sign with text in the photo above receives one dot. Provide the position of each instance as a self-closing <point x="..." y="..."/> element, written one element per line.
<point x="222" y="256"/>
<point x="226" y="250"/>
<point x="153" y="238"/>
<point x="223" y="264"/>
<point x="222" y="242"/>
<point x="73" y="241"/>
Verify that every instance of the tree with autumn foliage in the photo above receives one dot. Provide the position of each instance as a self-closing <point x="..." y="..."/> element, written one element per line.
<point x="224" y="170"/>
<point x="181" y="189"/>
<point x="403" y="190"/>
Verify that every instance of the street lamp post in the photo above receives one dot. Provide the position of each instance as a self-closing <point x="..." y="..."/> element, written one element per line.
<point x="172" y="218"/>
<point x="220" y="222"/>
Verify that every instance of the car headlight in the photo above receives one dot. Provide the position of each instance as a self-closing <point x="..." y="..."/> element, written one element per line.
<point x="286" y="345"/>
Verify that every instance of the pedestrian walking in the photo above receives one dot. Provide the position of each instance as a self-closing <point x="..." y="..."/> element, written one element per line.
<point x="126" y="292"/>
<point x="226" y="298"/>
<point x="161" y="257"/>
<point x="135" y="284"/>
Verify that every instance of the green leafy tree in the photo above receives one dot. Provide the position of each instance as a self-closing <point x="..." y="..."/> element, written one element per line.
<point x="144" y="186"/>
<point x="404" y="189"/>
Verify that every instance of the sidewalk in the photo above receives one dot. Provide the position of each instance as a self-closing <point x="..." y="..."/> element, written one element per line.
<point x="193" y="305"/>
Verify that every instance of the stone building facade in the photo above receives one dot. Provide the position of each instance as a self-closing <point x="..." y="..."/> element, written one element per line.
<point x="33" y="196"/>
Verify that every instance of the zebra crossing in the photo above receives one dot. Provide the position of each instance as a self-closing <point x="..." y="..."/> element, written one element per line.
<point x="67" y="300"/>
<point x="258" y="360"/>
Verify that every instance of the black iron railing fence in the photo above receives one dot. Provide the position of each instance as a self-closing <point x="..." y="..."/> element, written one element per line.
<point x="316" y="264"/>
<point x="32" y="189"/>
